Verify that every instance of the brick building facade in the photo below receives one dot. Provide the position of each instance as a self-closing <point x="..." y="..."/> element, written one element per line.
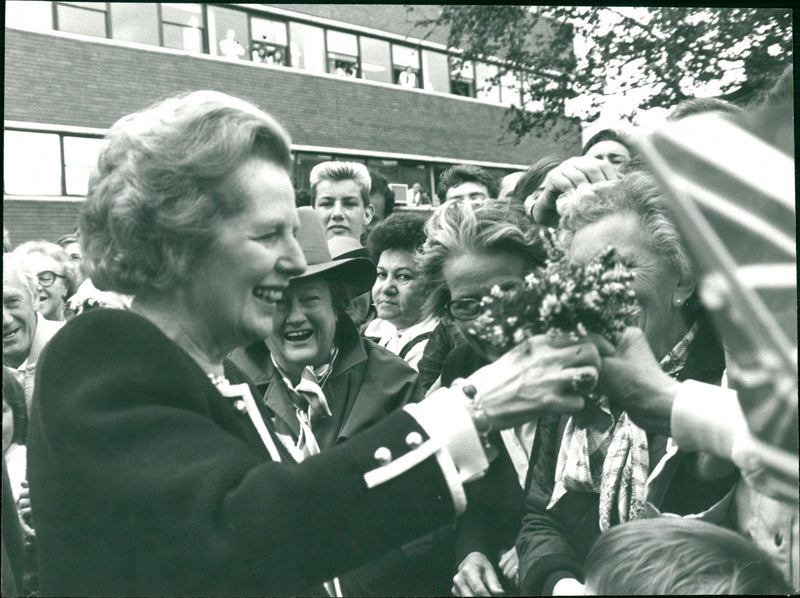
<point x="64" y="87"/>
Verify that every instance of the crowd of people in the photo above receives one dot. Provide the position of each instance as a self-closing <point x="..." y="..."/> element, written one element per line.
<point x="208" y="390"/>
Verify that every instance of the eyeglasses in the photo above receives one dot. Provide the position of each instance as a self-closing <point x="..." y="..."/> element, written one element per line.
<point x="47" y="278"/>
<point x="464" y="309"/>
<point x="469" y="308"/>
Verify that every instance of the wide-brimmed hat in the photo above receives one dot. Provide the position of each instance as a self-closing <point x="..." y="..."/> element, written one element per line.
<point x="358" y="273"/>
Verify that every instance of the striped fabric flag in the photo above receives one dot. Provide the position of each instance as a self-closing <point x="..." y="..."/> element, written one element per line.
<point x="733" y="198"/>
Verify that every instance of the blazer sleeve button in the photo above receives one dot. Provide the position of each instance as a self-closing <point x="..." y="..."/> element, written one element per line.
<point x="414" y="440"/>
<point x="383" y="455"/>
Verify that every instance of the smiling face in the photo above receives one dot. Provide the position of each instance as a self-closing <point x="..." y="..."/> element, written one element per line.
<point x="396" y="291"/>
<point x="235" y="287"/>
<point x="304" y="326"/>
<point x="471" y="276"/>
<point x="655" y="284"/>
<point x="19" y="319"/>
<point x="341" y="208"/>
<point x="51" y="298"/>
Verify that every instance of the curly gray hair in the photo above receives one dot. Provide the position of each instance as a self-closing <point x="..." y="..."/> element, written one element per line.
<point x="160" y="188"/>
<point x="635" y="193"/>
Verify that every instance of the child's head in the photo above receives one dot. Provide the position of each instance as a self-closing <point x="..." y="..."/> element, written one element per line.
<point x="671" y="555"/>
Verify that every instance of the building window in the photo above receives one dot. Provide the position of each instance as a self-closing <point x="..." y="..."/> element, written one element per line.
<point x="303" y="163"/>
<point x="484" y="88"/>
<point x="32" y="163"/>
<point x="376" y="60"/>
<point x="33" y="16"/>
<point x="307" y="47"/>
<point x="269" y="42"/>
<point x="462" y="77"/>
<point x="405" y="66"/>
<point x="436" y="71"/>
<point x="510" y="89"/>
<point x="227" y="33"/>
<point x="80" y="156"/>
<point x="88" y="18"/>
<point x="135" y="22"/>
<point x="182" y="26"/>
<point x="342" y="54"/>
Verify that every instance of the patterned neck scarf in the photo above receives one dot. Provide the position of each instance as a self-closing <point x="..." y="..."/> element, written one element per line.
<point x="310" y="405"/>
<point x="614" y="461"/>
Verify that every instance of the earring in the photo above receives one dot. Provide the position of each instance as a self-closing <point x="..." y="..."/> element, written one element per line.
<point x="678" y="301"/>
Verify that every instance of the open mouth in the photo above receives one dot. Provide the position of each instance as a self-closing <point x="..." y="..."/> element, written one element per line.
<point x="269" y="295"/>
<point x="298" y="336"/>
<point x="7" y="336"/>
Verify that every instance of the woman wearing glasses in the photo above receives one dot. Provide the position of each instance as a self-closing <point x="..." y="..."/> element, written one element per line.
<point x="52" y="267"/>
<point x="470" y="248"/>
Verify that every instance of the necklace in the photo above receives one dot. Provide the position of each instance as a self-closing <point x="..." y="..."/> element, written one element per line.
<point x="217" y="379"/>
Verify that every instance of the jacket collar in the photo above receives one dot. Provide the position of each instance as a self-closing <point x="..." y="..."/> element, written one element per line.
<point x="351" y="349"/>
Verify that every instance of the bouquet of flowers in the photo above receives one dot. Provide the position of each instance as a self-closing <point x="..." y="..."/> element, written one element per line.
<point x="561" y="298"/>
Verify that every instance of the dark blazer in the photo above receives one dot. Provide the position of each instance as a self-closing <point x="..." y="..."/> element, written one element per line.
<point x="367" y="383"/>
<point x="554" y="543"/>
<point x="146" y="481"/>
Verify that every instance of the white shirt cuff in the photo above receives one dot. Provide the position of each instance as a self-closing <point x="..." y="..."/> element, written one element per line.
<point x="706" y="418"/>
<point x="445" y="419"/>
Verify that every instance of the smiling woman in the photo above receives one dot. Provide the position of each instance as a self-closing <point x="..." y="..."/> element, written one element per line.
<point x="53" y="269"/>
<point x="155" y="467"/>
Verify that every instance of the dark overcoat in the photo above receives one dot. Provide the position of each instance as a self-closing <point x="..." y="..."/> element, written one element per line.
<point x="146" y="481"/>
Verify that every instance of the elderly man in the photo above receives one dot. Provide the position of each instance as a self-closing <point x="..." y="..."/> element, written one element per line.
<point x="340" y="196"/>
<point x="25" y="332"/>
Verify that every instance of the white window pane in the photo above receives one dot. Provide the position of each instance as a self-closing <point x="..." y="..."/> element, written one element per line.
<point x="79" y="20"/>
<point x="182" y="14"/>
<point x="269" y="31"/>
<point x="405" y="56"/>
<point x="227" y="32"/>
<point x="485" y="89"/>
<point x="376" y="60"/>
<point x="135" y="22"/>
<point x="307" y="47"/>
<point x="436" y="71"/>
<point x="509" y="89"/>
<point x="77" y="179"/>
<point x="33" y="16"/>
<point x="183" y="38"/>
<point x="81" y="151"/>
<point x="342" y="43"/>
<point x="461" y="70"/>
<point x="31" y="163"/>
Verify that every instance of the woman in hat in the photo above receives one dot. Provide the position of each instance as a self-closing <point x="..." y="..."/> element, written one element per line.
<point x="322" y="382"/>
<point x="153" y="473"/>
<point x="314" y="347"/>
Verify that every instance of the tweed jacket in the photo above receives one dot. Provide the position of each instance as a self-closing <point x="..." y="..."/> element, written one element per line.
<point x="145" y="480"/>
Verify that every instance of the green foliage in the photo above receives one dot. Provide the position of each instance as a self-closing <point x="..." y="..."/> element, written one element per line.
<point x="667" y="51"/>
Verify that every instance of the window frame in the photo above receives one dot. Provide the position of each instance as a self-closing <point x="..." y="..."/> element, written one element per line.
<point x="105" y="10"/>
<point x="328" y="30"/>
<point x="204" y="35"/>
